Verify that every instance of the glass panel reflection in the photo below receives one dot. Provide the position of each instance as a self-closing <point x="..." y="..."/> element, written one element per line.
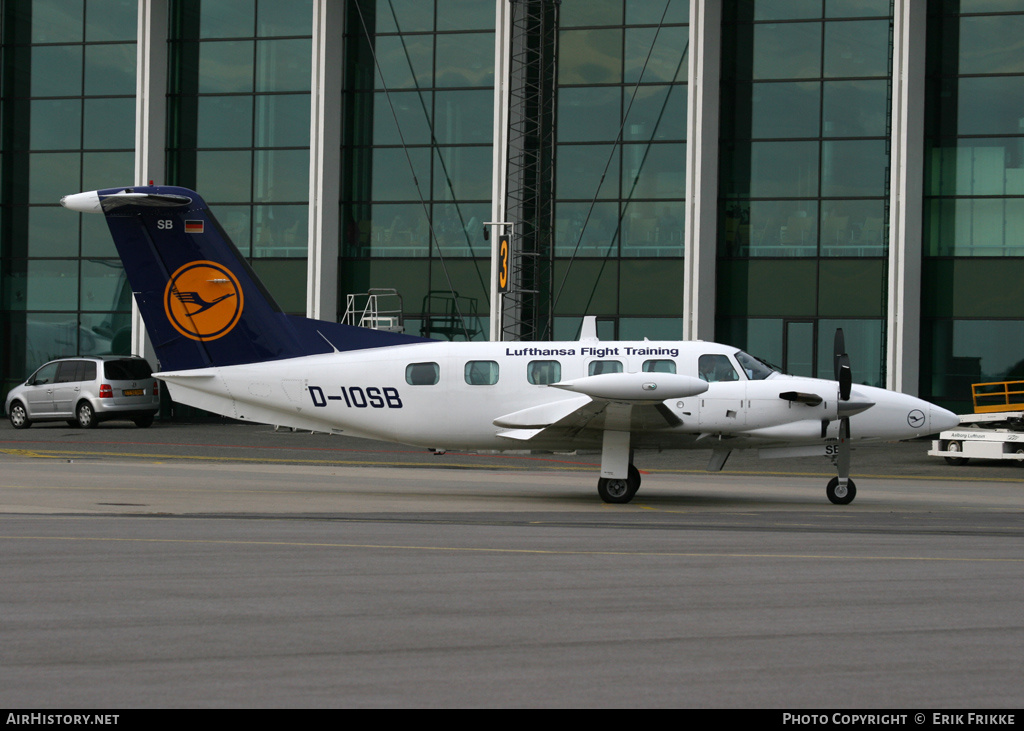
<point x="464" y="117"/>
<point x="283" y="65"/>
<point x="227" y="175"/>
<point x="654" y="112"/>
<point x="585" y="232"/>
<point x="395" y="230"/>
<point x="57" y="21"/>
<point x="52" y="284"/>
<point x="590" y="57"/>
<point x="282" y="120"/>
<point x="280" y="230"/>
<point x="654" y="171"/>
<point x="52" y="234"/>
<point x="857" y="48"/>
<point x="406" y="62"/>
<point x="224" y="121"/>
<point x="855" y="108"/>
<point x="580" y="168"/>
<point x="110" y="69"/>
<point x="52" y="174"/>
<point x="783" y="109"/>
<point x="227" y="18"/>
<point x="853" y="168"/>
<point x="991" y="45"/>
<point x="653" y="228"/>
<point x="665" y="61"/>
<point x="104" y="285"/>
<point x="463" y="173"/>
<point x="55" y="124"/>
<point x="109" y="123"/>
<point x="787" y="50"/>
<point x="465" y="59"/>
<point x="281" y="175"/>
<point x="225" y="67"/>
<point x="594" y="112"/>
<point x="57" y="71"/>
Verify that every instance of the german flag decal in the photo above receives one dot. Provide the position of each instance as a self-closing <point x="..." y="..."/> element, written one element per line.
<point x="193" y="227"/>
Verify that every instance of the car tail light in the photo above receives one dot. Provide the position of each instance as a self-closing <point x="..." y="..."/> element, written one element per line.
<point x="106" y="391"/>
<point x="156" y="388"/>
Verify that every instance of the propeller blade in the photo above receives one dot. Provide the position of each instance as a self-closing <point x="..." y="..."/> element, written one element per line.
<point x="838" y="350"/>
<point x="844" y="375"/>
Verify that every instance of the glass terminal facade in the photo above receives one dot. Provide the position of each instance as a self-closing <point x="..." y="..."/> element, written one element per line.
<point x="860" y="164"/>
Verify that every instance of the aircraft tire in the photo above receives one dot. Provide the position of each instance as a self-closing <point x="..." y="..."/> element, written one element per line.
<point x="955" y="447"/>
<point x="619" y="491"/>
<point x="833" y="492"/>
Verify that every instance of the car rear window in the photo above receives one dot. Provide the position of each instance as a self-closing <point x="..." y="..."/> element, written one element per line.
<point x="126" y="370"/>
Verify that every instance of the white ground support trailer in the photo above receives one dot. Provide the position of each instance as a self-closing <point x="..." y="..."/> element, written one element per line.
<point x="994" y="431"/>
<point x="982" y="436"/>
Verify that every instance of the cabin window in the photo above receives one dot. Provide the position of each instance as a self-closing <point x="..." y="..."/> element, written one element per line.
<point x="597" y="367"/>
<point x="659" y="366"/>
<point x="541" y="372"/>
<point x="481" y="373"/>
<point x="422" y="374"/>
<point x="716" y="368"/>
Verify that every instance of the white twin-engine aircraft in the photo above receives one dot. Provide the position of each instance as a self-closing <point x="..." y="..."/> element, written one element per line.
<point x="225" y="346"/>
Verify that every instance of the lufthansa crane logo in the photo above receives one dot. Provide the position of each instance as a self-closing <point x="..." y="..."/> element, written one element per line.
<point x="203" y="300"/>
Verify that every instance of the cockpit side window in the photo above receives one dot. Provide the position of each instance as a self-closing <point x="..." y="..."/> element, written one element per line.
<point x="716" y="368"/>
<point x="755" y="368"/>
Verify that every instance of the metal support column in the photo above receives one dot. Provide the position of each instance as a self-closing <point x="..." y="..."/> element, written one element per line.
<point x="526" y="309"/>
<point x="499" y="179"/>
<point x="906" y="193"/>
<point x="325" y="161"/>
<point x="701" y="229"/>
<point x="150" y="123"/>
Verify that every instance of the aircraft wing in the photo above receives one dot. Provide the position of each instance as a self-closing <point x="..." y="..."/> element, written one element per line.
<point x="612" y="401"/>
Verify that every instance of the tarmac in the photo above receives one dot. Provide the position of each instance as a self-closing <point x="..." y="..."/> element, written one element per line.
<point x="232" y="565"/>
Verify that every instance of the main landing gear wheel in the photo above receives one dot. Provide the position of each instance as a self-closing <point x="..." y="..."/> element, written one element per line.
<point x="619" y="491"/>
<point x="841" y="495"/>
<point x="955" y="447"/>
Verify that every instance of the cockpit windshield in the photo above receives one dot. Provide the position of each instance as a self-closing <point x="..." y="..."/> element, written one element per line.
<point x="755" y="368"/>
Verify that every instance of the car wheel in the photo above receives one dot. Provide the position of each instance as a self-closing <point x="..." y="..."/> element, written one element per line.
<point x="143" y="421"/>
<point x="18" y="416"/>
<point x="86" y="415"/>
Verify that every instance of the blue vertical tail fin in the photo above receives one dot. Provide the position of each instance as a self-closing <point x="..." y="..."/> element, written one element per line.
<point x="202" y="303"/>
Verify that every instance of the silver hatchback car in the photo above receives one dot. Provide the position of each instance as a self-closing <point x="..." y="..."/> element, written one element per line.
<point x="84" y="391"/>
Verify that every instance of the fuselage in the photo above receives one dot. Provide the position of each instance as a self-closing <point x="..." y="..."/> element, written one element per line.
<point x="449" y="395"/>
